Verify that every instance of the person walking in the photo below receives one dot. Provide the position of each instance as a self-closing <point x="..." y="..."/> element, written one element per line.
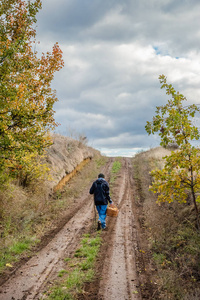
<point x="100" y="190"/>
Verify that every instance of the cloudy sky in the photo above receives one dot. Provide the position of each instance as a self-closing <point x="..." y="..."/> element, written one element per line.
<point x="114" y="52"/>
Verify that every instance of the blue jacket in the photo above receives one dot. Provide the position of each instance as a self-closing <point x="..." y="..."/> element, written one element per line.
<point x="100" y="189"/>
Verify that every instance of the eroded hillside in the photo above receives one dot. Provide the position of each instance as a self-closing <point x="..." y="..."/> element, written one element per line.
<point x="64" y="157"/>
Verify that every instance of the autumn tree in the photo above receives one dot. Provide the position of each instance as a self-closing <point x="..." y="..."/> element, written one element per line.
<point x="26" y="97"/>
<point x="181" y="173"/>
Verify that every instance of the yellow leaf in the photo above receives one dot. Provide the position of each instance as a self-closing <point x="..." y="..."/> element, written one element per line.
<point x="142" y="251"/>
<point x="9" y="265"/>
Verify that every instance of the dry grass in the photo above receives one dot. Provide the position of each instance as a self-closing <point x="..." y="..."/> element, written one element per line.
<point x="173" y="240"/>
<point x="28" y="215"/>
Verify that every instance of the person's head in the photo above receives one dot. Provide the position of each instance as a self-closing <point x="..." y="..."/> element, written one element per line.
<point x="101" y="175"/>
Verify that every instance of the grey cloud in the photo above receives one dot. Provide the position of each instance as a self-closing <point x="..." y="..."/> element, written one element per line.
<point x="170" y="22"/>
<point x="70" y="17"/>
<point x="114" y="52"/>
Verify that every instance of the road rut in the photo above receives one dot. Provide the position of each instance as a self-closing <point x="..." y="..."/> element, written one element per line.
<point x="117" y="271"/>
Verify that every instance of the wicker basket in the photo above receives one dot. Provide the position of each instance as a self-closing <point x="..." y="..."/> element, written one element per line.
<point x="112" y="211"/>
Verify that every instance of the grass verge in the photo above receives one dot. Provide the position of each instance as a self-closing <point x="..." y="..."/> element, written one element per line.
<point x="79" y="270"/>
<point x="171" y="251"/>
<point x="13" y="253"/>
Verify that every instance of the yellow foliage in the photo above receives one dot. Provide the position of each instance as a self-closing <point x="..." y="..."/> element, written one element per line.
<point x="30" y="168"/>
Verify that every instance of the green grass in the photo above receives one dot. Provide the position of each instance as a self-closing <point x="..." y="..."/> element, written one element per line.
<point x="60" y="294"/>
<point x="13" y="252"/>
<point x="101" y="161"/>
<point x="159" y="258"/>
<point x="115" y="169"/>
<point x="80" y="269"/>
<point x="61" y="273"/>
<point x="116" y="166"/>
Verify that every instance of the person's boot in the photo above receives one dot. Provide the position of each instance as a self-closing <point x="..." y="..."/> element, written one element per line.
<point x="98" y="225"/>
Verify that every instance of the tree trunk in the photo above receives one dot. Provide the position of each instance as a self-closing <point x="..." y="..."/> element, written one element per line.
<point x="195" y="206"/>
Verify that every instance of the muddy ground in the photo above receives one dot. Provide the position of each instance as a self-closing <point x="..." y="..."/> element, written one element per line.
<point x="121" y="266"/>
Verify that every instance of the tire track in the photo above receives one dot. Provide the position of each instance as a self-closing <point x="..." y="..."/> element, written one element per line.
<point x="29" y="278"/>
<point x="119" y="270"/>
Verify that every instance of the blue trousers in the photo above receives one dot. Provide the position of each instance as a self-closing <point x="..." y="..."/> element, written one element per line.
<point x="102" y="214"/>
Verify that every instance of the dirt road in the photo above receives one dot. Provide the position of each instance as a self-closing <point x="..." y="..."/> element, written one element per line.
<point x="116" y="267"/>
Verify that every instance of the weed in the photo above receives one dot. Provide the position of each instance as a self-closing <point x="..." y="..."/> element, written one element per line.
<point x="19" y="247"/>
<point x="60" y="294"/>
<point x="75" y="280"/>
<point x="101" y="161"/>
<point x="159" y="258"/>
<point x="67" y="259"/>
<point x="86" y="235"/>
<point x="61" y="273"/>
<point x="89" y="275"/>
